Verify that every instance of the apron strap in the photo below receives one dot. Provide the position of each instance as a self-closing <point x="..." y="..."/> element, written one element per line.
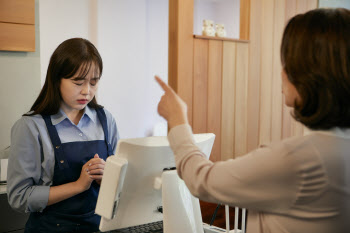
<point x="103" y="119"/>
<point x="56" y="142"/>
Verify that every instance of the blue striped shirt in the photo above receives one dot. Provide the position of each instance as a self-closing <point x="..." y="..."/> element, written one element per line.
<point x="32" y="159"/>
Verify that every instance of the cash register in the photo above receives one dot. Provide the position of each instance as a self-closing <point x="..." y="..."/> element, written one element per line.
<point x="141" y="191"/>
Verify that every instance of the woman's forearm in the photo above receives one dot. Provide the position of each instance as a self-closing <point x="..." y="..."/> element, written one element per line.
<point x="63" y="192"/>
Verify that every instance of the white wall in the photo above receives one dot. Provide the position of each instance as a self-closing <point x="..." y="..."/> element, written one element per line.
<point x="20" y="84"/>
<point x="157" y="57"/>
<point x="132" y="38"/>
<point x="61" y="20"/>
<point x="133" y="41"/>
<point x="228" y="13"/>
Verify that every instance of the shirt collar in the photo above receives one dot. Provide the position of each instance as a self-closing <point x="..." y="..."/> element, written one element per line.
<point x="61" y="115"/>
<point x="90" y="113"/>
<point x="58" y="117"/>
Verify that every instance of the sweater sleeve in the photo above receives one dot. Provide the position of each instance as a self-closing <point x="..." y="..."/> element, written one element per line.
<point x="267" y="179"/>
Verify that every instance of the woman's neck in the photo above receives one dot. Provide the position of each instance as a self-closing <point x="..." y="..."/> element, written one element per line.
<point x="74" y="115"/>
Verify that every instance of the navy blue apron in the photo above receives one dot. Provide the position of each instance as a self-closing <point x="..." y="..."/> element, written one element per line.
<point x="75" y="214"/>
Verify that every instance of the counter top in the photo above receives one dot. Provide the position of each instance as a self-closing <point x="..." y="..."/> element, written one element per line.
<point x="3" y="189"/>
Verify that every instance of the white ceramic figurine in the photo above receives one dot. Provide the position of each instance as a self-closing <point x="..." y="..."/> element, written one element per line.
<point x="208" y="28"/>
<point x="220" y="30"/>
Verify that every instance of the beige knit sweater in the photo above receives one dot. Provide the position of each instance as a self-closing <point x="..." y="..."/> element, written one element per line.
<point x="301" y="184"/>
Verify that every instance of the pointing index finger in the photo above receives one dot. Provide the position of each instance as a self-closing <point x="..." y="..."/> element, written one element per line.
<point x="164" y="86"/>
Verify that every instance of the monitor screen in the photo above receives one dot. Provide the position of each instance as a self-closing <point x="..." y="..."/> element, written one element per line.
<point x="127" y="195"/>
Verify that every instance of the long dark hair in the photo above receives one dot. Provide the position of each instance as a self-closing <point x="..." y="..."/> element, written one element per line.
<point x="315" y="54"/>
<point x="65" y="61"/>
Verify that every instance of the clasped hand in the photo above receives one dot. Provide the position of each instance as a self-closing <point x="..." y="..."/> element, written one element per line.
<point x="91" y="170"/>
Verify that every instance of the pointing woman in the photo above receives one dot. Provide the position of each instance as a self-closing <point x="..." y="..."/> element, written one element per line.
<point x="300" y="184"/>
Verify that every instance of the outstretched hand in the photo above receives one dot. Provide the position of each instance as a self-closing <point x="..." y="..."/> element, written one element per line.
<point x="171" y="106"/>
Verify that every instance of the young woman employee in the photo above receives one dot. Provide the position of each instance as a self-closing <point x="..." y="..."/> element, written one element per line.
<point x="59" y="148"/>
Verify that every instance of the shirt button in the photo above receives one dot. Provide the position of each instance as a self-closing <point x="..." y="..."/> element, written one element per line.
<point x="80" y="134"/>
<point x="62" y="161"/>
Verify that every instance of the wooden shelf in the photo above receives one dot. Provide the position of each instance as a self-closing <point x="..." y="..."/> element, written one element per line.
<point x="220" y="38"/>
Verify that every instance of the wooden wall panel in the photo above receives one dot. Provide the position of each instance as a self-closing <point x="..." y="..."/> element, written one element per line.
<point x="181" y="50"/>
<point x="214" y="95"/>
<point x="290" y="11"/>
<point x="277" y="97"/>
<point x="253" y="104"/>
<point x="266" y="71"/>
<point x="302" y="6"/>
<point x="241" y="111"/>
<point x="200" y="86"/>
<point x="312" y="4"/>
<point x="17" y="37"/>
<point x="244" y="20"/>
<point x="17" y="11"/>
<point x="173" y="44"/>
<point x="228" y="100"/>
<point x="234" y="88"/>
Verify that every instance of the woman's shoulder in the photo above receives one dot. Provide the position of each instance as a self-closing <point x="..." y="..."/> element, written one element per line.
<point x="31" y="118"/>
<point x="294" y="148"/>
<point x="311" y="140"/>
<point x="28" y="121"/>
